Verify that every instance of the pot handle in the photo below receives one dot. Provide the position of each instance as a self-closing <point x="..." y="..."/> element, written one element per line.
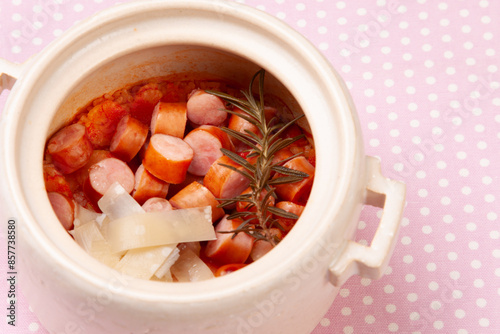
<point x="371" y="261"/>
<point x="9" y="73"/>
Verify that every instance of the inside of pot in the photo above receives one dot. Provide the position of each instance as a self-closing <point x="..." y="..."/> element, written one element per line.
<point x="178" y="62"/>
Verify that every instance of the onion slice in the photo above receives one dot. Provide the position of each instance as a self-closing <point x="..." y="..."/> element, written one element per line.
<point x="164" y="271"/>
<point x="160" y="228"/>
<point x="144" y="262"/>
<point x="117" y="203"/>
<point x="90" y="238"/>
<point x="83" y="216"/>
<point x="190" y="268"/>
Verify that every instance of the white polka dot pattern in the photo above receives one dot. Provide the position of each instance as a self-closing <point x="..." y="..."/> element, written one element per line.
<point x="424" y="77"/>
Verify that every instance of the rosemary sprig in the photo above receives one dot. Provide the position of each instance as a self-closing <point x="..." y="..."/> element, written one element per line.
<point x="257" y="219"/>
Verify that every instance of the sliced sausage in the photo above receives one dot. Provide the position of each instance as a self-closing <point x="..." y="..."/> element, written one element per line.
<point x="297" y="192"/>
<point x="156" y="204"/>
<point x="204" y="108"/>
<point x="281" y="155"/>
<point x="206" y="142"/>
<point x="108" y="171"/>
<point x="195" y="195"/>
<point x="147" y="186"/>
<point x="168" y="158"/>
<point x="239" y="124"/>
<point x="262" y="247"/>
<point x="291" y="207"/>
<point x="70" y="148"/>
<point x="81" y="175"/>
<point x="64" y="208"/>
<point x="229" y="268"/>
<point x="175" y="188"/>
<point x="270" y="113"/>
<point x="224" y="182"/>
<point x="293" y="131"/>
<point x="311" y="156"/>
<point x="129" y="137"/>
<point x="226" y="249"/>
<point x="55" y="180"/>
<point x="169" y="119"/>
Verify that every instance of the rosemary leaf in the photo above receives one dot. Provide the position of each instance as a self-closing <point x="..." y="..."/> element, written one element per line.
<point x="270" y="193"/>
<point x="282" y="213"/>
<point x="241" y="104"/>
<point x="253" y="154"/>
<point x="241" y="214"/>
<point x="241" y="137"/>
<point x="285" y="180"/>
<point x="280" y="144"/>
<point x="281" y="162"/>
<point x="226" y="202"/>
<point x="242" y="172"/>
<point x="238" y="159"/>
<point x="255" y="137"/>
<point x="259" y="215"/>
<point x="289" y="171"/>
<point x="230" y="201"/>
<point x="245" y="116"/>
<point x="275" y="223"/>
<point x="281" y="128"/>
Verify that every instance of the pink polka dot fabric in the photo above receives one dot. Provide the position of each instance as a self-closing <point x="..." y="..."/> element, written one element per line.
<point x="424" y="77"/>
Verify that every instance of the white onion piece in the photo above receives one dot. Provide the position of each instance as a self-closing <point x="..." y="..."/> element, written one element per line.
<point x="160" y="228"/>
<point x="144" y="262"/>
<point x="101" y="251"/>
<point x="101" y="219"/>
<point x="103" y="225"/>
<point x="83" y="216"/>
<point x="164" y="269"/>
<point x="117" y="203"/>
<point x="86" y="234"/>
<point x="166" y="278"/>
<point x="190" y="268"/>
<point x="92" y="241"/>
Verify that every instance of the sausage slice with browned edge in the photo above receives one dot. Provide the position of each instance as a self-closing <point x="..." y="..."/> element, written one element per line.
<point x="82" y="174"/>
<point x="157" y="204"/>
<point x="108" y="171"/>
<point x="70" y="148"/>
<point x="147" y="185"/>
<point x="196" y="195"/>
<point x="240" y="124"/>
<point x="288" y="223"/>
<point x="168" y="158"/>
<point x="226" y="249"/>
<point x="205" y="109"/>
<point x="224" y="182"/>
<point x="128" y="139"/>
<point x="206" y="142"/>
<point x="297" y="192"/>
<point x="169" y="119"/>
<point x="64" y="208"/>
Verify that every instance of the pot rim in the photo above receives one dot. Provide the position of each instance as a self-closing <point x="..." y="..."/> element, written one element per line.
<point x="267" y="268"/>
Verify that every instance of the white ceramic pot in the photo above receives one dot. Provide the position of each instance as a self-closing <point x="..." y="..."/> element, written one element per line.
<point x="287" y="291"/>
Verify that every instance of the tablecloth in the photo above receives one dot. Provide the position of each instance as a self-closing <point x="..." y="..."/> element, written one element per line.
<point x="424" y="77"/>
